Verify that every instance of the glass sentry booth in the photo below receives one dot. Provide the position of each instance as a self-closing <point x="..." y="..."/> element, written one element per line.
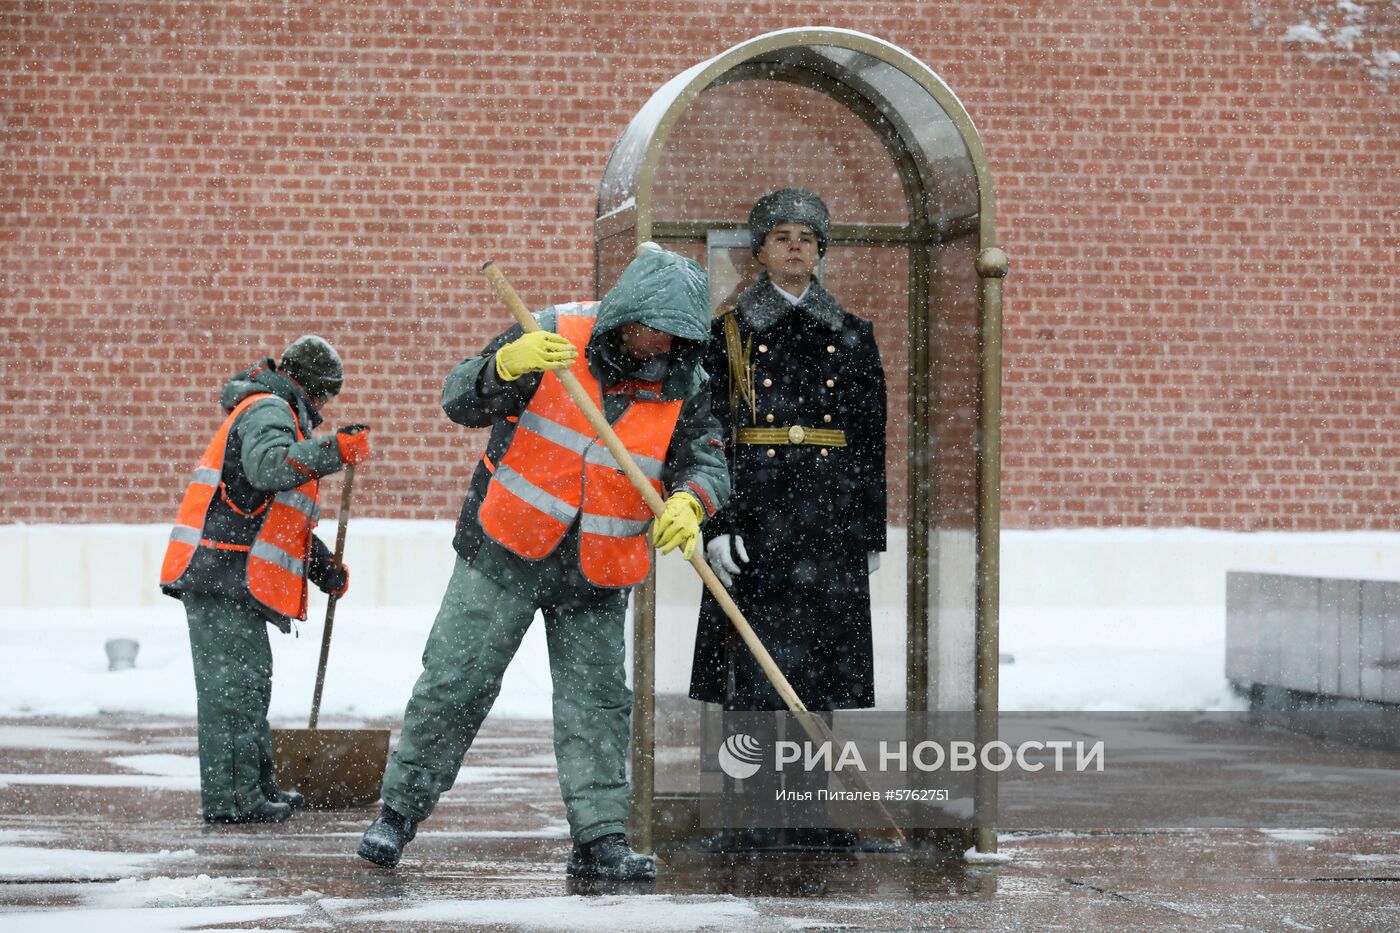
<point x="913" y="248"/>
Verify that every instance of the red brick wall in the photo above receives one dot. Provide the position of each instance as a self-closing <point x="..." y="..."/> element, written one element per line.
<point x="1201" y="321"/>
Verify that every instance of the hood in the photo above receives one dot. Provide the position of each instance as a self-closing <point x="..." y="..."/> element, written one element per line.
<point x="264" y="378"/>
<point x="665" y="291"/>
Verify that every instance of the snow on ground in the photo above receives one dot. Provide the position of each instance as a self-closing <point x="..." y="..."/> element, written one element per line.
<point x="1299" y="835"/>
<point x="1101" y="659"/>
<point x="9" y="836"/>
<point x="1115" y="659"/>
<point x="582" y="914"/>
<point x="105" y="780"/>
<point x="174" y="766"/>
<point x="33" y="863"/>
<point x="54" y="739"/>
<point x="1097" y="659"/>
<point x="56" y="665"/>
<point x="145" y="919"/>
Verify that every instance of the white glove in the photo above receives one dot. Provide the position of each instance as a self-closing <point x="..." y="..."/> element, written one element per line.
<point x="872" y="561"/>
<point x="722" y="557"/>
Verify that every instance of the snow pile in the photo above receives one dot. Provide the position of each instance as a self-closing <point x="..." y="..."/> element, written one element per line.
<point x="59" y="739"/>
<point x="973" y="857"/>
<point x="9" y="836"/>
<point x="161" y="891"/>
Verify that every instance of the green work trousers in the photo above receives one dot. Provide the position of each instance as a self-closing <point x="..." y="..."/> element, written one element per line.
<point x="477" y="631"/>
<point x="233" y="686"/>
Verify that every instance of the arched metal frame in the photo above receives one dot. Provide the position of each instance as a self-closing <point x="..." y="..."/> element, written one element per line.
<point x="921" y="122"/>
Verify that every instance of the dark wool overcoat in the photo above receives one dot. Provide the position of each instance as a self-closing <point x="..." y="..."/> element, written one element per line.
<point x="808" y="514"/>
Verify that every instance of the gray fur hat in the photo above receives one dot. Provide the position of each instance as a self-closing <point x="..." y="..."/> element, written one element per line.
<point x="314" y="365"/>
<point x="788" y="206"/>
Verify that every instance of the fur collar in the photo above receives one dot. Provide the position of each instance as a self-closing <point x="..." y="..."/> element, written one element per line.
<point x="762" y="306"/>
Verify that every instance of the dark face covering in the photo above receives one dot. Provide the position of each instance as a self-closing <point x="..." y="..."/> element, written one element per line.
<point x="625" y="366"/>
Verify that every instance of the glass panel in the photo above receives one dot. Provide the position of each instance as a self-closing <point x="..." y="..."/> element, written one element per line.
<point x="731" y="266"/>
<point x="928" y="131"/>
<point x="873" y="282"/>
<point x="952" y="393"/>
<point x="611" y="256"/>
<point x="739" y="141"/>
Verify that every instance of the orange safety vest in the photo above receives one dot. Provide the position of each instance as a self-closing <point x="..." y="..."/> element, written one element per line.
<point x="277" y="558"/>
<point x="556" y="467"/>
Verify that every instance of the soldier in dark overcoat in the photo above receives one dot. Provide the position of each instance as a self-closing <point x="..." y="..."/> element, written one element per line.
<point x="798" y="385"/>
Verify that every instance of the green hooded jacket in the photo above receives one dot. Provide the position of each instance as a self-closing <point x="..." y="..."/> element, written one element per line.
<point x="262" y="457"/>
<point x="660" y="289"/>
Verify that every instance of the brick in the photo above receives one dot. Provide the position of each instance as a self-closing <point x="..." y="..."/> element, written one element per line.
<point x="1201" y="219"/>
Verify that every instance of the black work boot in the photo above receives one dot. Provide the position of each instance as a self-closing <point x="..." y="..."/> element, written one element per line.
<point x="384" y="840"/>
<point x="266" y="812"/>
<point x="611" y="859"/>
<point x="291" y="798"/>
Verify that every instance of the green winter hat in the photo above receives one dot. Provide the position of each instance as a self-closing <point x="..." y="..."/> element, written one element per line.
<point x="312" y="363"/>
<point x="788" y="206"/>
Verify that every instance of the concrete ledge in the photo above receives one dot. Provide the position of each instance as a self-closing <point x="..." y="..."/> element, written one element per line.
<point x="1316" y="636"/>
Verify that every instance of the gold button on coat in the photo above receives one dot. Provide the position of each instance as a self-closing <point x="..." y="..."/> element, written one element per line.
<point x="768" y="418"/>
<point x="830" y="383"/>
<point x="768" y="383"/>
<point x="763" y="348"/>
<point x="796" y="435"/>
<point x="772" y="452"/>
<point x="826" y="419"/>
<point x="830" y="348"/>
<point x="824" y="451"/>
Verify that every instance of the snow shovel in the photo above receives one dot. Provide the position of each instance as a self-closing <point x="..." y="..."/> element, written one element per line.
<point x="815" y="727"/>
<point x="335" y="769"/>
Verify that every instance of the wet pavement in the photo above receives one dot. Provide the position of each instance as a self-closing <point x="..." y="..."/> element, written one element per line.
<point x="100" y="830"/>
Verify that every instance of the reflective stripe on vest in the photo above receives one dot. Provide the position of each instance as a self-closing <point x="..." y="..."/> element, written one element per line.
<point x="276" y="569"/>
<point x="593" y="450"/>
<point x="557" y="470"/>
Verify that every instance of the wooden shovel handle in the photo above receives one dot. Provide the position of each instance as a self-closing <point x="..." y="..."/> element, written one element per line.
<point x="330" y="603"/>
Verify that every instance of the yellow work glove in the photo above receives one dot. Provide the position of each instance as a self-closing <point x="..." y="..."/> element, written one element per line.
<point x="679" y="525"/>
<point x="534" y="353"/>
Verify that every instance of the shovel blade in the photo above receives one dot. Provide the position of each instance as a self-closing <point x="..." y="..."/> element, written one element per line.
<point x="335" y="769"/>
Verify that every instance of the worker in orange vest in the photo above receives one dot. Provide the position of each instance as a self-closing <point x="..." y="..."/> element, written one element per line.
<point x="551" y="524"/>
<point x="240" y="556"/>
